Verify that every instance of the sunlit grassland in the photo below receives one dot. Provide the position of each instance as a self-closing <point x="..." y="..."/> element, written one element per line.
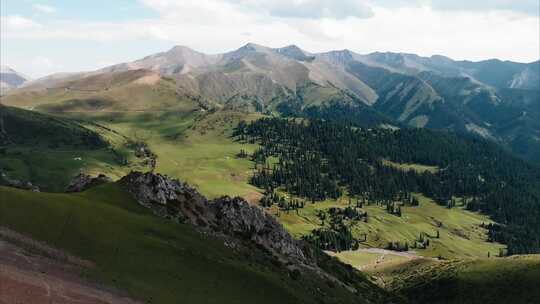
<point x="460" y="234"/>
<point x="408" y="167"/>
<point x="193" y="145"/>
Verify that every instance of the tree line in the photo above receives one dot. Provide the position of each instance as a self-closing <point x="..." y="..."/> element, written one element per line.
<point x="319" y="159"/>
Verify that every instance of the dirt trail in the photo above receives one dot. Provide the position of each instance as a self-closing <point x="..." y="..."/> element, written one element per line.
<point x="407" y="254"/>
<point x="27" y="276"/>
<point x="382" y="261"/>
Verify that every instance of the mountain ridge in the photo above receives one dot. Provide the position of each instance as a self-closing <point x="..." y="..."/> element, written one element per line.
<point x="435" y="92"/>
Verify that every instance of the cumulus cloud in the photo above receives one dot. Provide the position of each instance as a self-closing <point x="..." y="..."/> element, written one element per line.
<point x="310" y="9"/>
<point x="44" y="62"/>
<point x="17" y="22"/>
<point x="529" y="7"/>
<point x="42" y="8"/>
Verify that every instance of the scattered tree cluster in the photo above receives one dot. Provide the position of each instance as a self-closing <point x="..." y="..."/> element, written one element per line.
<point x="284" y="204"/>
<point x="321" y="159"/>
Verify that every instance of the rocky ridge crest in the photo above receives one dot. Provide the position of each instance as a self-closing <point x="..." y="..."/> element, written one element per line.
<point x="234" y="217"/>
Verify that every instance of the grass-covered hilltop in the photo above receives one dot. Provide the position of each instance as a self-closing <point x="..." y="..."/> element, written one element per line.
<point x="271" y="175"/>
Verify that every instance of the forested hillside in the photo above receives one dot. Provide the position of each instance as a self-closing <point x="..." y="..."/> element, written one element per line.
<point x="320" y="159"/>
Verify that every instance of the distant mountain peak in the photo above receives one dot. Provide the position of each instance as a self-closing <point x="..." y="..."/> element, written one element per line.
<point x="181" y="48"/>
<point x="6" y="69"/>
<point x="250" y="46"/>
<point x="291" y="47"/>
<point x="442" y="59"/>
<point x="338" y="57"/>
<point x="11" y="79"/>
<point x="294" y="52"/>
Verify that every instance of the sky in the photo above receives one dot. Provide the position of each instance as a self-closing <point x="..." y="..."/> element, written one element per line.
<point x="39" y="38"/>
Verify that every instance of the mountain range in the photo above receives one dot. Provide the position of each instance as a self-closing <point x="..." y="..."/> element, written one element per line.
<point x="497" y="100"/>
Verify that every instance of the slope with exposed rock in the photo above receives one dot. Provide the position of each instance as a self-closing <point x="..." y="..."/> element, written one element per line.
<point x="224" y="246"/>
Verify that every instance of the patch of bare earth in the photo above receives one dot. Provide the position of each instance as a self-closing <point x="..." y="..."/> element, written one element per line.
<point x="34" y="273"/>
<point x="253" y="197"/>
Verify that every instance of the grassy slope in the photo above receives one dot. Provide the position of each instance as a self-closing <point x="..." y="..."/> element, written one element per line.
<point x="370" y="262"/>
<point x="99" y="93"/>
<point x="192" y="145"/>
<point x="467" y="280"/>
<point x="495" y="280"/>
<point x="48" y="150"/>
<point x="52" y="169"/>
<point x="408" y="167"/>
<point x="460" y="234"/>
<point x="155" y="260"/>
<point x="206" y="156"/>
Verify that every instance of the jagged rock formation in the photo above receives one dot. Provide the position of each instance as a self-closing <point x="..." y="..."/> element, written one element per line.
<point x="236" y="216"/>
<point x="83" y="182"/>
<point x="228" y="216"/>
<point x="15" y="183"/>
<point x="166" y="197"/>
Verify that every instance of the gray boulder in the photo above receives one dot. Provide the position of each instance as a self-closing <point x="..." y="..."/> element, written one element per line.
<point x="83" y="182"/>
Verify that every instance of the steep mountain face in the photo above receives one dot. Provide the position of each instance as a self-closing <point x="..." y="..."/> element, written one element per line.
<point x="493" y="72"/>
<point x="528" y="78"/>
<point x="10" y="79"/>
<point x="429" y="99"/>
<point x="493" y="99"/>
<point x="405" y="98"/>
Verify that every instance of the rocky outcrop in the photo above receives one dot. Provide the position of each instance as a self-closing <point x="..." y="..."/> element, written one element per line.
<point x="83" y="182"/>
<point x="15" y="183"/>
<point x="235" y="216"/>
<point x="167" y="197"/>
<point x="232" y="217"/>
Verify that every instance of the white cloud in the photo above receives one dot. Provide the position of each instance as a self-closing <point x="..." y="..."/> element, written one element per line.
<point x="530" y="7"/>
<point x="461" y="35"/>
<point x="421" y="27"/>
<point x="40" y="65"/>
<point x="309" y="9"/>
<point x="42" y="8"/>
<point x="17" y="22"/>
<point x="43" y="62"/>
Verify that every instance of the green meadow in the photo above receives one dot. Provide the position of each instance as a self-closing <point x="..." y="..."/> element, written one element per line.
<point x="194" y="146"/>
<point x="460" y="234"/>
